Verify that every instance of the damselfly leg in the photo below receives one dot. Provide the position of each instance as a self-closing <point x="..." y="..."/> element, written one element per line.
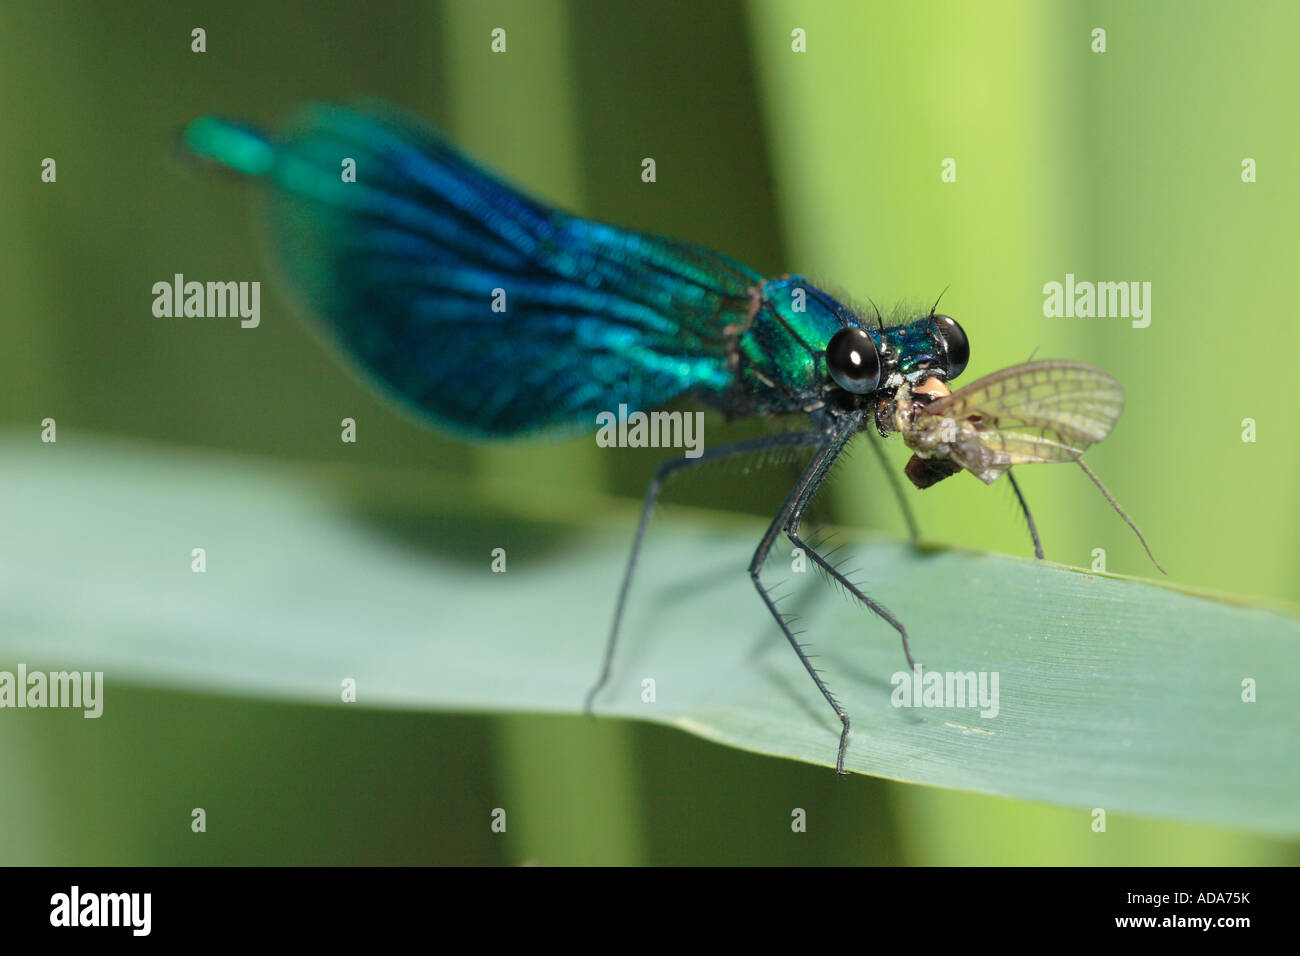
<point x="903" y="504"/>
<point x="753" y="446"/>
<point x="787" y="522"/>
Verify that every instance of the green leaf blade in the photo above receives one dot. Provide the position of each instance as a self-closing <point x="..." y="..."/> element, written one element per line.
<point x="1113" y="693"/>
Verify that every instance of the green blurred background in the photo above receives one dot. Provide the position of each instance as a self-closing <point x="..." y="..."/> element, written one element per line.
<point x="1123" y="165"/>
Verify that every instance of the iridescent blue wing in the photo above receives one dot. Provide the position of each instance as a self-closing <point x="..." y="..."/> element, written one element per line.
<point x="405" y="265"/>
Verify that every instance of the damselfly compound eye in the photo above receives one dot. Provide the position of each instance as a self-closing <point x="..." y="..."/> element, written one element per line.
<point x="951" y="342"/>
<point x="853" y="361"/>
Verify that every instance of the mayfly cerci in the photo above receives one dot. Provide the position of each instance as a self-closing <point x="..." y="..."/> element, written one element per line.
<point x="400" y="267"/>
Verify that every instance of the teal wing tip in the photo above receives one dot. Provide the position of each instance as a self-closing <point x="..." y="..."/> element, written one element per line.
<point x="225" y="143"/>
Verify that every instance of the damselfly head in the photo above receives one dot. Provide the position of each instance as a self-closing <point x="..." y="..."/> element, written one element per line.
<point x="928" y="349"/>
